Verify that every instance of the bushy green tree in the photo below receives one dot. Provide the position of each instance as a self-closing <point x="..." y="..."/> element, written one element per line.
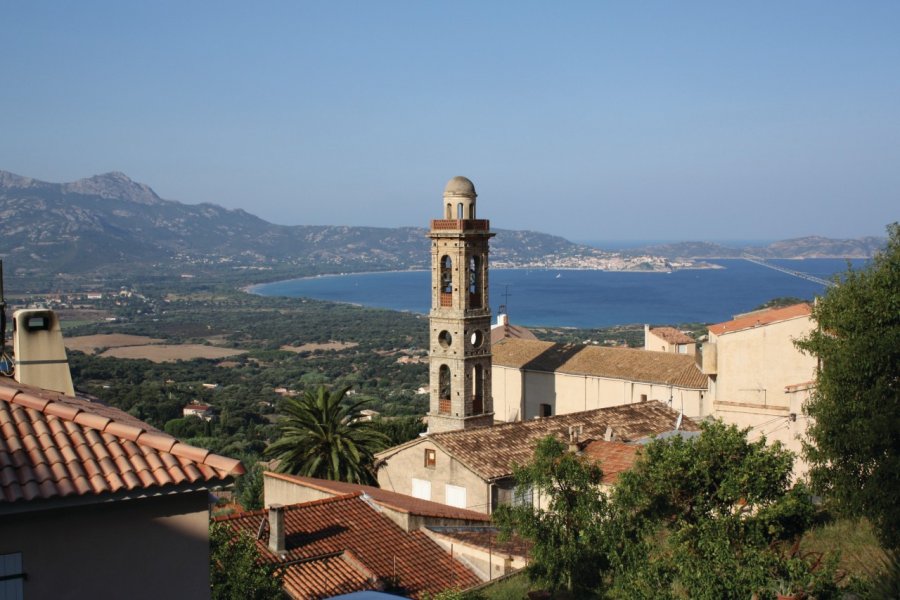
<point x="854" y="432"/>
<point x="322" y="436"/>
<point x="569" y="548"/>
<point x="712" y="516"/>
<point x="235" y="570"/>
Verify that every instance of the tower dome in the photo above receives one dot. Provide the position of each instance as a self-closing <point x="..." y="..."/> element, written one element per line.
<point x="459" y="198"/>
<point x="460" y="186"/>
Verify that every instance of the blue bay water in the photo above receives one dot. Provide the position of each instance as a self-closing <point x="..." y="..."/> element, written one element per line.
<point x="571" y="298"/>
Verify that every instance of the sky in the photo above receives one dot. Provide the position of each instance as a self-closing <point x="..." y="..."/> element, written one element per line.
<point x="591" y="120"/>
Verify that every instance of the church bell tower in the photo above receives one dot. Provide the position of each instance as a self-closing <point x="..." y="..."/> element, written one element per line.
<point x="460" y="318"/>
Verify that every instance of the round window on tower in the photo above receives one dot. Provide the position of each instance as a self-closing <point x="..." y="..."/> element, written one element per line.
<point x="445" y="339"/>
<point x="477" y="338"/>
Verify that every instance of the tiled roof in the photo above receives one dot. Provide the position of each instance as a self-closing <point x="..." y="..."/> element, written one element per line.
<point x="349" y="524"/>
<point x="56" y="446"/>
<point x="761" y="317"/>
<point x="672" y="335"/>
<point x="616" y="363"/>
<point x="614" y="457"/>
<point x="387" y="498"/>
<point x="504" y="331"/>
<point x="328" y="575"/>
<point x="492" y="451"/>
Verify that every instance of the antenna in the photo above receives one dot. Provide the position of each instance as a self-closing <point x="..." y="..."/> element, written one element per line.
<point x="506" y="296"/>
<point x="2" y="312"/>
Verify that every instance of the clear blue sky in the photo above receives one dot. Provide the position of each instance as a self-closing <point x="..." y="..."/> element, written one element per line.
<point x="593" y="120"/>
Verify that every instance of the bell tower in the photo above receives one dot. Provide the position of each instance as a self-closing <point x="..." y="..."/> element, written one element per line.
<point x="460" y="318"/>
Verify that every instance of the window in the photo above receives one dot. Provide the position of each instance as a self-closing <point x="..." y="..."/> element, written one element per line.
<point x="11" y="576"/>
<point x="478" y="395"/>
<point x="523" y="497"/>
<point x="421" y="489"/>
<point x="643" y="397"/>
<point x="430" y="458"/>
<point x="455" y="495"/>
<point x="545" y="410"/>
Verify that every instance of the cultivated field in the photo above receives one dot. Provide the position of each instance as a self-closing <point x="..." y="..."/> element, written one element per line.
<point x="89" y="344"/>
<point x="170" y="353"/>
<point x="316" y="346"/>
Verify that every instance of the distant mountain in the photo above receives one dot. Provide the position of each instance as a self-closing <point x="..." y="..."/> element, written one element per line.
<point x="111" y="224"/>
<point x="805" y="247"/>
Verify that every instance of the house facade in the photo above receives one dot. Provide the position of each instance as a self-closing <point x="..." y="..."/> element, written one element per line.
<point x="758" y="377"/>
<point x="95" y="503"/>
<point x="473" y="469"/>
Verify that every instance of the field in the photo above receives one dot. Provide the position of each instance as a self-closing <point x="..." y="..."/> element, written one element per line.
<point x="160" y="353"/>
<point x="89" y="344"/>
<point x="310" y="347"/>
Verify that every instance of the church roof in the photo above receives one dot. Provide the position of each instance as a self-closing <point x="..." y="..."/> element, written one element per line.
<point x="599" y="361"/>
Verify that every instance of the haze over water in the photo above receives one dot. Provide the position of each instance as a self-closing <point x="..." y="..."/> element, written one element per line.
<point x="569" y="298"/>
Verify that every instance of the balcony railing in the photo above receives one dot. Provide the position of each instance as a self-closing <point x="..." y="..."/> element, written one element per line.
<point x="460" y="224"/>
<point x="446" y="299"/>
<point x="444" y="406"/>
<point x="475" y="301"/>
<point x="477" y="405"/>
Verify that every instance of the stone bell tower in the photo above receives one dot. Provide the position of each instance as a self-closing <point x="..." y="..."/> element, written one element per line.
<point x="460" y="318"/>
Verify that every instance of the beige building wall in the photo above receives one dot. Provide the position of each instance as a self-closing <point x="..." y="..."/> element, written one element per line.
<point x="757" y="372"/>
<point x="655" y="343"/>
<point x="487" y="564"/>
<point x="568" y="393"/>
<point x="139" y="549"/>
<point x="400" y="469"/>
<point x="754" y="366"/>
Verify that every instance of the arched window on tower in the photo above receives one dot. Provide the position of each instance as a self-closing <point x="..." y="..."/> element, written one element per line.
<point x="444" y="390"/>
<point x="476" y="298"/>
<point x="478" y="392"/>
<point x="459" y="211"/>
<point x="472" y="211"/>
<point x="446" y="281"/>
<point x="448" y="214"/>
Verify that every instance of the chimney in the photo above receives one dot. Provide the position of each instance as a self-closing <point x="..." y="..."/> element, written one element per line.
<point x="610" y="435"/>
<point x="276" y="528"/>
<point x="40" y="354"/>
<point x="574" y="435"/>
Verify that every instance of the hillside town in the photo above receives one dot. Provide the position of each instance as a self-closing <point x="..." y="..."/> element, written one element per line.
<point x="95" y="502"/>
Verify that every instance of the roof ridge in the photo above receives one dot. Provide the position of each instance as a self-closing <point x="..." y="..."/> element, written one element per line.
<point x="321" y="501"/>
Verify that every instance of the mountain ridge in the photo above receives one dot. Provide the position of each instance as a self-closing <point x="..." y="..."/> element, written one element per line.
<point x="109" y="223"/>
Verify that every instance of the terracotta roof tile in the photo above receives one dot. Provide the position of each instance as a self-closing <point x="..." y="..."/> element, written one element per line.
<point x="761" y="317"/>
<point x="53" y="446"/>
<point x="614" y="457"/>
<point x="491" y="452"/>
<point x="599" y="361"/>
<point x="672" y="335"/>
<point x="378" y="546"/>
<point x="387" y="498"/>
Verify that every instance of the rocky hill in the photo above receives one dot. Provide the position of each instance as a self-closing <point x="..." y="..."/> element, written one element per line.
<point x="110" y="224"/>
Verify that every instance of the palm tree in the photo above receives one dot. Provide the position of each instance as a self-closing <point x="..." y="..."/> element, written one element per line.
<point x="323" y="437"/>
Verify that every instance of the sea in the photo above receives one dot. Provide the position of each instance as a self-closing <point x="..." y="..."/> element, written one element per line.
<point x="588" y="299"/>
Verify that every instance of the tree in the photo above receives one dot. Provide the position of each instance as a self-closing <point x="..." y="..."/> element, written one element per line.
<point x="711" y="516"/>
<point x="569" y="547"/>
<point x="235" y="569"/>
<point x="321" y="436"/>
<point x="854" y="432"/>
